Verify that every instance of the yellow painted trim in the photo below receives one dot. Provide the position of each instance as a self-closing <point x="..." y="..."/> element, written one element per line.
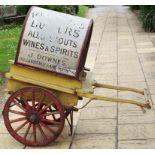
<point x="34" y="82"/>
<point x="66" y="99"/>
<point x="45" y="77"/>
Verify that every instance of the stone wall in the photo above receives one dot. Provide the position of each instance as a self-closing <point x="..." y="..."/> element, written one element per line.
<point x="7" y="11"/>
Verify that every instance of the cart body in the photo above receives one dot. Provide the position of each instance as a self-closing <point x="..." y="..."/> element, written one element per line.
<point x="64" y="88"/>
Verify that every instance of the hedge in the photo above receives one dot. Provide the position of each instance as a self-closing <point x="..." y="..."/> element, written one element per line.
<point x="147" y="15"/>
<point x="70" y="9"/>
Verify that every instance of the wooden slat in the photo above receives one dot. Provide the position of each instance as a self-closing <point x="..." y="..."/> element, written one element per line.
<point x="38" y="83"/>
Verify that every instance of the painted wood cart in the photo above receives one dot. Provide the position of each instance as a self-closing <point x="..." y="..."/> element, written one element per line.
<point x="40" y="100"/>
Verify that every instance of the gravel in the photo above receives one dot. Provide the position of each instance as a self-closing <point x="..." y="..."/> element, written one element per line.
<point x="3" y="95"/>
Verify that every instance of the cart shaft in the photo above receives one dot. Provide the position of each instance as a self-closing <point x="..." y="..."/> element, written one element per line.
<point x="145" y="94"/>
<point x="118" y="88"/>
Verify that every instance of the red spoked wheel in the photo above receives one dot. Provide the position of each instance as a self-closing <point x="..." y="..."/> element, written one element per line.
<point x="34" y="116"/>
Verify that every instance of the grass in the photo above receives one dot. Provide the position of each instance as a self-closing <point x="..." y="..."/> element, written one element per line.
<point x="82" y="11"/>
<point x="9" y="37"/>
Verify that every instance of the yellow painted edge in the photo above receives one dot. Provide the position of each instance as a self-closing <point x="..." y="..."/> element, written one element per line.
<point x="31" y="81"/>
<point x="45" y="77"/>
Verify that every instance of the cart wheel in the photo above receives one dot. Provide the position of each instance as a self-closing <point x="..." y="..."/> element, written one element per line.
<point x="34" y="116"/>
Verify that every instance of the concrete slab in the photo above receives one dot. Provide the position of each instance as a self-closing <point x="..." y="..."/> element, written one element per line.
<point x="94" y="141"/>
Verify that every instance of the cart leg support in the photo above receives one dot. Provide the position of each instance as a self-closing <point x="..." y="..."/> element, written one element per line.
<point x="69" y="117"/>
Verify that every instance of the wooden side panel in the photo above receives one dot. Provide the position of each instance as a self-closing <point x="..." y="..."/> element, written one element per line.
<point x="45" y="77"/>
<point x="65" y="98"/>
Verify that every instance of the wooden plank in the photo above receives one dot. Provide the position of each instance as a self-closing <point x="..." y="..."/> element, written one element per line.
<point x="38" y="83"/>
<point x="44" y="77"/>
<point x="66" y="99"/>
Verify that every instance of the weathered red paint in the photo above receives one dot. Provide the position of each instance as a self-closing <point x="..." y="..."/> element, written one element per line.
<point x="33" y="115"/>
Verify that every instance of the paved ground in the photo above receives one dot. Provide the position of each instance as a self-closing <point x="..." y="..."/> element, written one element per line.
<point x="120" y="53"/>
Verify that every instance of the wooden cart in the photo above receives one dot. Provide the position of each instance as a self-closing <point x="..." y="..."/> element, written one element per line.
<point x="35" y="112"/>
<point x="40" y="101"/>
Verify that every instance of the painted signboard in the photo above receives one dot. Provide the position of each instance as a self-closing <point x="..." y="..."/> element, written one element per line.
<point x="53" y="41"/>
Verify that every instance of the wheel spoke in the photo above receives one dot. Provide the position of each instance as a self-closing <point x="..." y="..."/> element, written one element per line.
<point x="17" y="112"/>
<point x="21" y="126"/>
<point x="40" y="102"/>
<point x="18" y="105"/>
<point x="18" y="120"/>
<point x="46" y="107"/>
<point x="34" y="133"/>
<point x="53" y="115"/>
<point x="41" y="131"/>
<point x="51" y="121"/>
<point x="33" y="99"/>
<point x="48" y="128"/>
<point x="50" y="113"/>
<point x="26" y="103"/>
<point x="19" y="100"/>
<point x="27" y="131"/>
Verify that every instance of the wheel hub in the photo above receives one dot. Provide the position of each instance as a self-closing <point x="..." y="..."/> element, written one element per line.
<point x="33" y="117"/>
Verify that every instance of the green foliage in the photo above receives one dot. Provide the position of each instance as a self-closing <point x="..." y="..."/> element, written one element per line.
<point x="8" y="26"/>
<point x="147" y="14"/>
<point x="70" y="9"/>
<point x="22" y="9"/>
<point x="134" y="7"/>
<point x="82" y="10"/>
<point x="144" y="10"/>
